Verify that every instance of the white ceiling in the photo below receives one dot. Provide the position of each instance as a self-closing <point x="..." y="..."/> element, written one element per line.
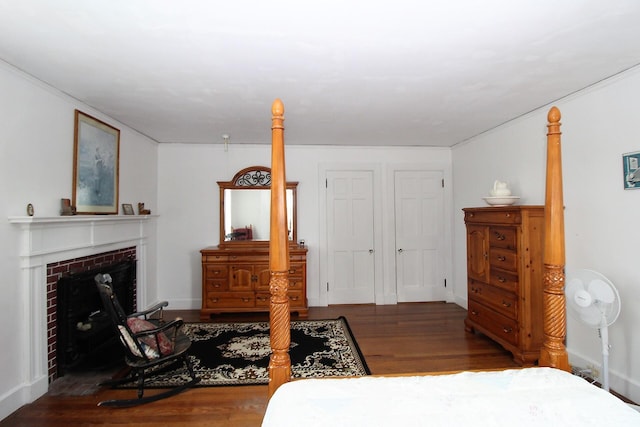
<point x="401" y="72"/>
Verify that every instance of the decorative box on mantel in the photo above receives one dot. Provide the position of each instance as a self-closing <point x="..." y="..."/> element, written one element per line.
<point x="46" y="240"/>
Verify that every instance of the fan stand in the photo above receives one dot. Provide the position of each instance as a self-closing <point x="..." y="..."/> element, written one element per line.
<point x="603" y="331"/>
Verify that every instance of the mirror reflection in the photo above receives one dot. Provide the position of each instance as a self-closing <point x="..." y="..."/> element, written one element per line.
<point x="247" y="214"/>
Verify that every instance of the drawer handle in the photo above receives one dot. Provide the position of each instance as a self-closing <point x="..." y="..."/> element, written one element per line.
<point x="502" y="258"/>
<point x="506" y="304"/>
<point x="507" y="330"/>
<point x="214" y="299"/>
<point x="246" y="299"/>
<point x="216" y="285"/>
<point x="292" y="271"/>
<point x="501" y="279"/>
<point x="475" y="313"/>
<point x="293" y="298"/>
<point x="475" y="290"/>
<point x="499" y="236"/>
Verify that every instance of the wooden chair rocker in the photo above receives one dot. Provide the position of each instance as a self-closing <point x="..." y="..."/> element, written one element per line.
<point x="151" y="345"/>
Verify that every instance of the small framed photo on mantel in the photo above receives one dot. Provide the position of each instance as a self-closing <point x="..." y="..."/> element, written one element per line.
<point x="631" y="170"/>
<point x="96" y="158"/>
<point x="127" y="209"/>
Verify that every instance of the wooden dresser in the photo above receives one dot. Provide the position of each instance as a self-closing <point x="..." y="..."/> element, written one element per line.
<point x="236" y="279"/>
<point x="505" y="277"/>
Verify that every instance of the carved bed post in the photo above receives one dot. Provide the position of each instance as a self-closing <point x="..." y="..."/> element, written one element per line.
<point x="553" y="352"/>
<point x="280" y="362"/>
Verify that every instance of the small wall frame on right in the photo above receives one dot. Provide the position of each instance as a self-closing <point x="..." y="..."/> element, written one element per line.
<point x="631" y="170"/>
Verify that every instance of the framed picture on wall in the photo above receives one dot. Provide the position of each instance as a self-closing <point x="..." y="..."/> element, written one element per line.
<point x="631" y="170"/>
<point x="96" y="158"/>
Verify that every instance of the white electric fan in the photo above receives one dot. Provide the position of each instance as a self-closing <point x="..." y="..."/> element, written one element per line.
<point x="593" y="300"/>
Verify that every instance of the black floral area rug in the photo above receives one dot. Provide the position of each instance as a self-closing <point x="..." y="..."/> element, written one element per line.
<point x="225" y="354"/>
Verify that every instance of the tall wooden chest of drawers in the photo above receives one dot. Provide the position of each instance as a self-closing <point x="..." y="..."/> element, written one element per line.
<point x="237" y="280"/>
<point x="505" y="277"/>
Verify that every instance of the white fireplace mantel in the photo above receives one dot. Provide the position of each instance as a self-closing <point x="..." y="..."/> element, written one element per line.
<point x="45" y="240"/>
<point x="48" y="236"/>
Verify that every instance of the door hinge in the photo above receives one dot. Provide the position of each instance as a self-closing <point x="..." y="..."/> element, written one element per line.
<point x="327" y="286"/>
<point x="326" y="183"/>
<point x="442" y="182"/>
<point x="445" y="283"/>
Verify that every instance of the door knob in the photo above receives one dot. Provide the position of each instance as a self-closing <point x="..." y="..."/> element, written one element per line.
<point x="400" y="250"/>
<point x="370" y="251"/>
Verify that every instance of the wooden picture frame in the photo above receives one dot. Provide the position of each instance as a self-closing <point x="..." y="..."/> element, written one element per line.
<point x="96" y="157"/>
<point x="127" y="209"/>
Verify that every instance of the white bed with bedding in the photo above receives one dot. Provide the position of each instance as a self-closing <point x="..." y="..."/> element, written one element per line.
<point x="517" y="397"/>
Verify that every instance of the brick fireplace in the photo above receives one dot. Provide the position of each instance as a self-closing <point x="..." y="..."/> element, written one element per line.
<point x="48" y="245"/>
<point x="67" y="268"/>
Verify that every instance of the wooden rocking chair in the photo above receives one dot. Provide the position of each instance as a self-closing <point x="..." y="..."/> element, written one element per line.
<point x="149" y="344"/>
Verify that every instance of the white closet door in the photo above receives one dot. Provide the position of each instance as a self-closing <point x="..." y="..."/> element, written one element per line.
<point x="419" y="228"/>
<point x="350" y="237"/>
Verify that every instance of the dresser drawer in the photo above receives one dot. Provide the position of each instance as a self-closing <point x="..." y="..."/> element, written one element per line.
<point x="503" y="237"/>
<point x="504" y="259"/>
<point x="216" y="285"/>
<point x="495" y="323"/>
<point x="503" y="302"/>
<point x="214" y="258"/>
<point x="215" y="271"/>
<point x="493" y="216"/>
<point x="230" y="300"/>
<point x="250" y="259"/>
<point x="302" y="257"/>
<point x="296" y="270"/>
<point x="262" y="299"/>
<point x="296" y="283"/>
<point x="504" y="280"/>
<point x="296" y="299"/>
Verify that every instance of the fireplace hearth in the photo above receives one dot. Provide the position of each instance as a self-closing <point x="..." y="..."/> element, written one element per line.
<point x="85" y="336"/>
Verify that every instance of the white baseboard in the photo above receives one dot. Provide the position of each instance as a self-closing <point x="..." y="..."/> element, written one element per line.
<point x="23" y="394"/>
<point x="184" y="304"/>
<point x="617" y="382"/>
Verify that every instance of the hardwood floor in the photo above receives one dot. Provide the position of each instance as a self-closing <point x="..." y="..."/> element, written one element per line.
<point x="403" y="338"/>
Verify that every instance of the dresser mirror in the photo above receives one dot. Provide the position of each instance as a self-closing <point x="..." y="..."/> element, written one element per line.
<point x="245" y="208"/>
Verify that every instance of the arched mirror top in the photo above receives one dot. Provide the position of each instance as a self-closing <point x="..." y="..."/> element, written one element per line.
<point x="254" y="176"/>
<point x="245" y="208"/>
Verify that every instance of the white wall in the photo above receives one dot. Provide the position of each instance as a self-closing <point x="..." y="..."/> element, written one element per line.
<point x="189" y="203"/>
<point x="599" y="124"/>
<point x="36" y="164"/>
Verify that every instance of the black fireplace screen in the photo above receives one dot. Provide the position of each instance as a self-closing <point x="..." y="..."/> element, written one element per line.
<point x="85" y="336"/>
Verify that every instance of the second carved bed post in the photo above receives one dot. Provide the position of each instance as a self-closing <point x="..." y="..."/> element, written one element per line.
<point x="279" y="315"/>
<point x="553" y="352"/>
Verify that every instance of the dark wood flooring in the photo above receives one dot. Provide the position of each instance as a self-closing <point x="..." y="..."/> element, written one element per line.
<point x="403" y="338"/>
